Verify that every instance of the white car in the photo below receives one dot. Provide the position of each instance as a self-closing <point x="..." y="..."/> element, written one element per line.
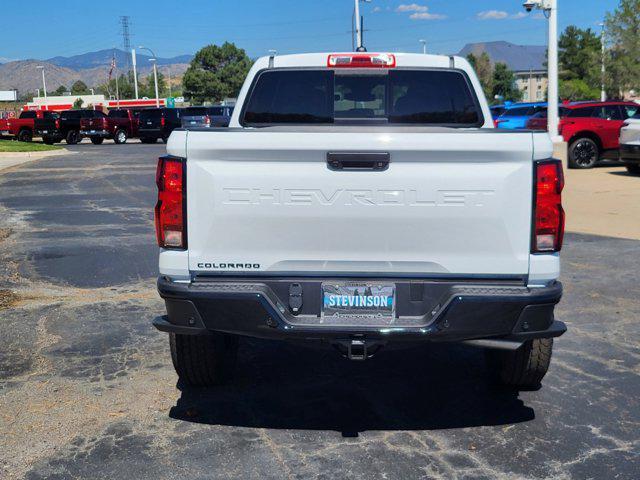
<point x="630" y="144"/>
<point x="362" y="200"/>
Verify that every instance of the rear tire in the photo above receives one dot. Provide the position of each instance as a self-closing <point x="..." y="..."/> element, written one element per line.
<point x="204" y="360"/>
<point x="25" y="136"/>
<point x="120" y="137"/>
<point x="97" y="140"/>
<point x="48" y="140"/>
<point x="526" y="367"/>
<point x="583" y="153"/>
<point x="633" y="169"/>
<point x="72" y="137"/>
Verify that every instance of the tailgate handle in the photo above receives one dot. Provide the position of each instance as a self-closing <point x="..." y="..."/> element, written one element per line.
<point x="353" y="161"/>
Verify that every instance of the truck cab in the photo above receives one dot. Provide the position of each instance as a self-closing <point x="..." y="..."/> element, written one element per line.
<point x="360" y="200"/>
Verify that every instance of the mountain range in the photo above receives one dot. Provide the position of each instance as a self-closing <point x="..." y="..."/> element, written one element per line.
<point x="519" y="58"/>
<point x="92" y="68"/>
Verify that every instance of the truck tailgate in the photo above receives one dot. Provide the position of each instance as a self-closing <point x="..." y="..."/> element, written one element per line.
<point x="451" y="202"/>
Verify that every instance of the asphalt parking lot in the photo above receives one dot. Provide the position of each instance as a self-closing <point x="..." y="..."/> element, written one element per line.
<point x="87" y="389"/>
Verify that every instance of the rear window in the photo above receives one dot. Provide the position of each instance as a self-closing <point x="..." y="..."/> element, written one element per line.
<point x="152" y="113"/>
<point x="29" y="114"/>
<point x="423" y="97"/>
<point x="518" y="112"/>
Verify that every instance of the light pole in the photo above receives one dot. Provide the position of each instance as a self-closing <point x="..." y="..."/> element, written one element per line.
<point x="603" y="91"/>
<point x="154" y="59"/>
<point x="44" y="83"/>
<point x="359" y="46"/>
<point x="424" y="46"/>
<point x="550" y="9"/>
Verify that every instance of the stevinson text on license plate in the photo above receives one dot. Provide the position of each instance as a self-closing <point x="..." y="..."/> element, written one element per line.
<point x="361" y="300"/>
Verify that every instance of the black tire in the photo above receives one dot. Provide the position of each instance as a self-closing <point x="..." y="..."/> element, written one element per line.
<point x="148" y="140"/>
<point x="97" y="140"/>
<point x="48" y="140"/>
<point x="120" y="137"/>
<point x="72" y="137"/>
<point x="204" y="360"/>
<point x="526" y="367"/>
<point x="633" y="169"/>
<point x="583" y="153"/>
<point x="25" y="135"/>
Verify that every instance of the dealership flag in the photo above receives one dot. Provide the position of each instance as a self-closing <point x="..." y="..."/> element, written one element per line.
<point x="113" y="65"/>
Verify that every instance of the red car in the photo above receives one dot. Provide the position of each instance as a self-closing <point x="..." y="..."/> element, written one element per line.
<point x="120" y="124"/>
<point x="22" y="127"/>
<point x="589" y="128"/>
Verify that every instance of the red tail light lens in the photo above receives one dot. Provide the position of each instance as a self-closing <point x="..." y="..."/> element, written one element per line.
<point x="361" y="60"/>
<point x="162" y="122"/>
<point x="57" y="123"/>
<point x="548" y="212"/>
<point x="171" y="206"/>
<point x="207" y="120"/>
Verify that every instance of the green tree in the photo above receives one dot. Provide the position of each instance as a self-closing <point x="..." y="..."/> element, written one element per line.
<point x="504" y="83"/>
<point x="484" y="70"/>
<point x="216" y="72"/>
<point x="147" y="87"/>
<point x="61" y="90"/>
<point x="577" y="89"/>
<point x="579" y="55"/>
<point x="124" y="88"/>
<point x="623" y="38"/>
<point x="78" y="104"/>
<point x="79" y="88"/>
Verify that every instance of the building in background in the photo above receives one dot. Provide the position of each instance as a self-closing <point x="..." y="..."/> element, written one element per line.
<point x="526" y="61"/>
<point x="65" y="102"/>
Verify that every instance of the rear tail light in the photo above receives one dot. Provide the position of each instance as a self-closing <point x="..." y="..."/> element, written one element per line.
<point x="57" y="123"/>
<point x="361" y="60"/>
<point x="172" y="203"/>
<point x="548" y="215"/>
<point x="207" y="120"/>
<point x="162" y="122"/>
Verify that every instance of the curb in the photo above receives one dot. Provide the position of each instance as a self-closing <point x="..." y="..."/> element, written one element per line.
<point x="13" y="159"/>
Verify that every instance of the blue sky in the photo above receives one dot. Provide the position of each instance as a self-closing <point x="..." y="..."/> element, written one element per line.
<point x="170" y="27"/>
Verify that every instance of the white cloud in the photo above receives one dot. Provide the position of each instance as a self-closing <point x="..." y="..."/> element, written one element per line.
<point x="376" y="9"/>
<point x="493" y="15"/>
<point x="499" y="15"/>
<point x="426" y="16"/>
<point x="413" y="7"/>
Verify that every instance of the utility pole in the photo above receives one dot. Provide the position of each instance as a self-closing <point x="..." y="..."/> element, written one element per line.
<point x="553" y="109"/>
<point x="603" y="91"/>
<point x="424" y="46"/>
<point x="135" y="72"/>
<point x="358" y="26"/>
<point x="126" y="36"/>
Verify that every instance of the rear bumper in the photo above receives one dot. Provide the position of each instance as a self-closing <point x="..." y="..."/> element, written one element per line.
<point x="95" y="133"/>
<point x="150" y="132"/>
<point x="426" y="310"/>
<point x="630" y="154"/>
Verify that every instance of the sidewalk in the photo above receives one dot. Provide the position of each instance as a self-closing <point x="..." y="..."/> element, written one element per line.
<point x="603" y="201"/>
<point x="12" y="159"/>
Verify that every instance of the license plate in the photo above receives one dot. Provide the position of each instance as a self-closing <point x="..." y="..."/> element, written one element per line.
<point x="193" y="123"/>
<point x="92" y="132"/>
<point x="359" y="300"/>
<point x="45" y="131"/>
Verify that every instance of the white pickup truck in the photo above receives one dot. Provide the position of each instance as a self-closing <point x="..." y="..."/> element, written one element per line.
<point x="630" y="144"/>
<point x="361" y="200"/>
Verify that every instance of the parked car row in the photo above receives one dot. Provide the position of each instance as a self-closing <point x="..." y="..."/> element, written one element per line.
<point x="589" y="128"/>
<point x="119" y="125"/>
